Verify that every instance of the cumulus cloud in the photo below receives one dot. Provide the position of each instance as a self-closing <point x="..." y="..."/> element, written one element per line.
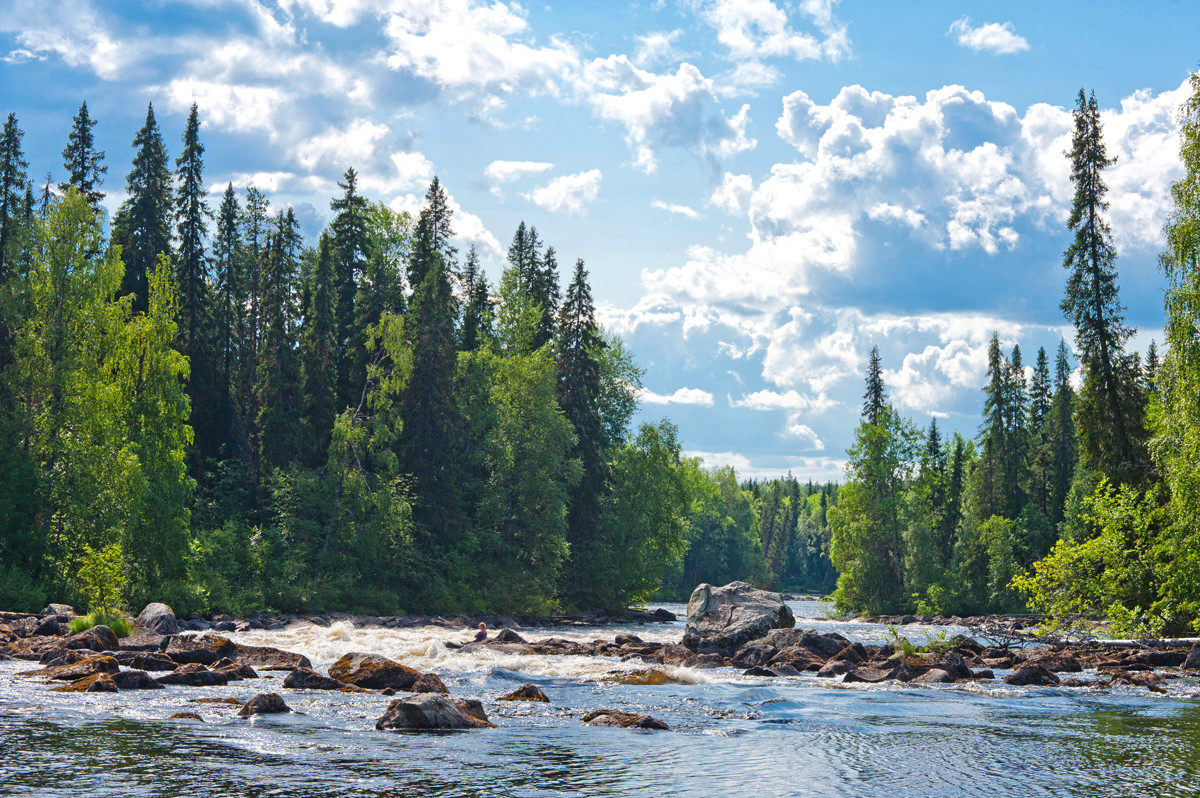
<point x="659" y="110"/>
<point x="733" y="194"/>
<point x="788" y="400"/>
<point x="805" y="433"/>
<point x="757" y="29"/>
<point x="681" y="396"/>
<point x="569" y="193"/>
<point x="657" y="47"/>
<point x="680" y="210"/>
<point x="508" y="171"/>
<point x="342" y="147"/>
<point x="997" y="38"/>
<point x="469" y="229"/>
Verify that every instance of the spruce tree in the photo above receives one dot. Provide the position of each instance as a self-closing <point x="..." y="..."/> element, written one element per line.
<point x="875" y="399"/>
<point x="254" y="224"/>
<point x="228" y="310"/>
<point x="477" y="309"/>
<point x="14" y="184"/>
<point x="1041" y="453"/>
<point x="544" y="289"/>
<point x="351" y="249"/>
<point x="143" y="223"/>
<point x="1061" y="435"/>
<point x="1112" y="435"/>
<point x="191" y="214"/>
<point x="318" y="374"/>
<point x="278" y="369"/>
<point x="578" y="347"/>
<point x="83" y="163"/>
<point x="1150" y="370"/>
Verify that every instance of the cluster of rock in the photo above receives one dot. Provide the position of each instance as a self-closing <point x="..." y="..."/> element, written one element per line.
<point x="95" y="660"/>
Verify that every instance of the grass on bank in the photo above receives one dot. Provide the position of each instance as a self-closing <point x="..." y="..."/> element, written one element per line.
<point x="119" y="625"/>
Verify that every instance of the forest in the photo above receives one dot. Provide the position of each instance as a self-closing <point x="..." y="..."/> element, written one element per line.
<point x="1081" y="503"/>
<point x="227" y="418"/>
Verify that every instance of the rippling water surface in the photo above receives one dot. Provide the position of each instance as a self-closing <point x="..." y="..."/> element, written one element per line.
<point x="731" y="735"/>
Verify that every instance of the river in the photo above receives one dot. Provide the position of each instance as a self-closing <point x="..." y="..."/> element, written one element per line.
<point x="730" y="735"/>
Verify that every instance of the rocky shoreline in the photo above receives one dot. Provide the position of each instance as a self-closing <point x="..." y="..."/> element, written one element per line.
<point x="734" y="626"/>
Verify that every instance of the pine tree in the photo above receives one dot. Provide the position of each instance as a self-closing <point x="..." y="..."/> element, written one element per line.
<point x="1112" y="435"/>
<point x="143" y="223"/>
<point x="875" y="399"/>
<point x="82" y="161"/>
<point x="318" y="375"/>
<point x="544" y="290"/>
<point x="993" y="496"/>
<point x="1150" y="370"/>
<point x="228" y="312"/>
<point x="351" y="248"/>
<point x="1041" y="453"/>
<point x="254" y="225"/>
<point x="578" y="346"/>
<point x="14" y="185"/>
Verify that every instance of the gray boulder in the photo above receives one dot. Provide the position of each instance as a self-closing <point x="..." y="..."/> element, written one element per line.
<point x="431" y="711"/>
<point x="722" y="619"/>
<point x="158" y="618"/>
<point x="264" y="704"/>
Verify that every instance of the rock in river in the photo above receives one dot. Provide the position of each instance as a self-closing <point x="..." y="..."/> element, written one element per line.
<point x="158" y="618"/>
<point x="373" y="671"/>
<point x="722" y="619"/>
<point x="264" y="704"/>
<point x="526" y="692"/>
<point x="628" y="720"/>
<point x="308" y="679"/>
<point x="432" y="711"/>
<point x="1031" y="675"/>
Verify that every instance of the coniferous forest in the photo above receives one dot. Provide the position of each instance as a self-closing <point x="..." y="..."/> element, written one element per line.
<point x="1079" y="502"/>
<point x="236" y="419"/>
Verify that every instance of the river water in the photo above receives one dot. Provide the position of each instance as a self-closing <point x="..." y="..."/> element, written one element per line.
<point x="730" y="735"/>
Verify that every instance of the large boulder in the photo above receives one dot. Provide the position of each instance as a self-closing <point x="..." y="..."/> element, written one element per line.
<point x="79" y="669"/>
<point x="96" y="683"/>
<point x="431" y="711"/>
<point x="204" y="650"/>
<point x="308" y="679"/>
<point x="264" y="704"/>
<point x="722" y="619"/>
<point x="97" y="638"/>
<point x="1193" y="658"/>
<point x="135" y="680"/>
<point x="269" y="659"/>
<point x="373" y="671"/>
<point x="194" y="675"/>
<point x="158" y="618"/>
<point x="1031" y="675"/>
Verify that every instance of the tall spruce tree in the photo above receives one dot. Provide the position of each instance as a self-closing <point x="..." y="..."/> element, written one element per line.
<point x="875" y="399"/>
<point x="1112" y="435"/>
<point x="192" y="215"/>
<point x="228" y="316"/>
<point x="143" y="223"/>
<point x="255" y="232"/>
<point x="1041" y="454"/>
<point x="544" y="290"/>
<point x="83" y="163"/>
<point x="318" y="371"/>
<point x="278" y="370"/>
<point x="1061" y="436"/>
<point x="477" y="307"/>
<point x="14" y="184"/>
<point x="351" y="249"/>
<point x="578" y="347"/>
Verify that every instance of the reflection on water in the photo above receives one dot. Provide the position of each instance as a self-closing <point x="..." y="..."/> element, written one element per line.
<point x="732" y="735"/>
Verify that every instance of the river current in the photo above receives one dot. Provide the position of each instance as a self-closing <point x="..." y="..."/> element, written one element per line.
<point x="730" y="735"/>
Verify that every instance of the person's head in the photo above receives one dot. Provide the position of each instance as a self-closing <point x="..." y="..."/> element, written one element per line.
<point x="482" y="625"/>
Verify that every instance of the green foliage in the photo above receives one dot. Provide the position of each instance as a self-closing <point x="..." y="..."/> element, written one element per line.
<point x="120" y="626"/>
<point x="102" y="578"/>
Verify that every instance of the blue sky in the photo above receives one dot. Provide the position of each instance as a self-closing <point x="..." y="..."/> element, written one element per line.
<point x="762" y="190"/>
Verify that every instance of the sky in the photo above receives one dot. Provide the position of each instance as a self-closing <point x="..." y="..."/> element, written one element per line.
<point x="762" y="190"/>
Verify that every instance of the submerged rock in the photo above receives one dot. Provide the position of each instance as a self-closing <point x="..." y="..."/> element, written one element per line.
<point x="647" y="677"/>
<point x="722" y="619"/>
<point x="158" y="618"/>
<point x="194" y="675"/>
<point x="626" y="720"/>
<point x="433" y="711"/>
<point x="526" y="692"/>
<point x="308" y="679"/>
<point x="264" y="704"/>
<point x="1031" y="675"/>
<point x="373" y="671"/>
<point x="186" y="716"/>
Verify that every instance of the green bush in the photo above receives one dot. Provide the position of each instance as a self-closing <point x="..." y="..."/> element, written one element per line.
<point x="119" y="625"/>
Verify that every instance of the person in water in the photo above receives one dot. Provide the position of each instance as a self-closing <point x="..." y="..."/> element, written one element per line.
<point x="481" y="635"/>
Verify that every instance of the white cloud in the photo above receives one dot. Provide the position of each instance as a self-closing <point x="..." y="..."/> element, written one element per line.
<point x="733" y="195"/>
<point x="657" y="47"/>
<point x="757" y="29"/>
<point x="354" y="144"/>
<point x="804" y="432"/>
<point x="569" y="193"/>
<point x="231" y="106"/>
<point x="681" y="210"/>
<point x="681" y="396"/>
<point x="997" y="38"/>
<point x="664" y="110"/>
<point x="788" y="400"/>
<point x="508" y="171"/>
<point x="72" y="31"/>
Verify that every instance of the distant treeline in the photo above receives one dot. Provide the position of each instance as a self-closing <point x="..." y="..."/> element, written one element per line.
<point x="1081" y="504"/>
<point x="240" y="420"/>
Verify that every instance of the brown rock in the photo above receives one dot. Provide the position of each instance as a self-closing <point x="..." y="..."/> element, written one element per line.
<point x="264" y="704"/>
<point x="1192" y="661"/>
<point x="98" y="638"/>
<point x="835" y="668"/>
<point x="269" y="659"/>
<point x="186" y="716"/>
<point x="1031" y="675"/>
<point x="526" y="692"/>
<point x="96" y="683"/>
<point x="868" y="675"/>
<point x="431" y="711"/>
<point x="308" y="679"/>
<point x="194" y="675"/>
<point x="429" y="683"/>
<point x="77" y="670"/>
<point x="150" y="661"/>
<point x="934" y="676"/>
<point x="135" y="680"/>
<point x="234" y="670"/>
<point x="627" y="720"/>
<point x="373" y="671"/>
<point x="203" y="650"/>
